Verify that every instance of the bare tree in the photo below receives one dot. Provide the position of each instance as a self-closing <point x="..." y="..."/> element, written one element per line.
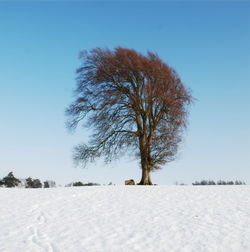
<point x="131" y="102"/>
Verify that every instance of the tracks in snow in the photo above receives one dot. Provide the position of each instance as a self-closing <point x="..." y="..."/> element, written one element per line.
<point x="37" y="235"/>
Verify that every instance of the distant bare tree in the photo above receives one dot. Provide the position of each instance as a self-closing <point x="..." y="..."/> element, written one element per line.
<point x="131" y="102"/>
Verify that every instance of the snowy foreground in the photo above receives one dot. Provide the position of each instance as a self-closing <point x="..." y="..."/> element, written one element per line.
<point x="126" y="218"/>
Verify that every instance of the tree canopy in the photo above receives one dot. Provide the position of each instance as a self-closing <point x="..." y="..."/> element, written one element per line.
<point x="132" y="103"/>
<point x="10" y="180"/>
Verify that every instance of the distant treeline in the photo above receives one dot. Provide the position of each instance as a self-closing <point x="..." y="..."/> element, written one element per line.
<point x="79" y="183"/>
<point x="220" y="182"/>
<point x="11" y="181"/>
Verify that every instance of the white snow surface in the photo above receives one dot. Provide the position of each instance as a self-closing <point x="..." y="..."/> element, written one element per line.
<point x="125" y="218"/>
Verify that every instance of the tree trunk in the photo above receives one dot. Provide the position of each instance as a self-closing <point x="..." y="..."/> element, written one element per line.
<point x="145" y="179"/>
<point x="144" y="153"/>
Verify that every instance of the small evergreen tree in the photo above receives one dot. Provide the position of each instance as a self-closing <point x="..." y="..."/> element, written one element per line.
<point x="46" y="184"/>
<point x="37" y="183"/>
<point x="29" y="183"/>
<point x="10" y="180"/>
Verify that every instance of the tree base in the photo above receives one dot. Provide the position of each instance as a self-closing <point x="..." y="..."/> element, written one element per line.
<point x="148" y="183"/>
<point x="145" y="178"/>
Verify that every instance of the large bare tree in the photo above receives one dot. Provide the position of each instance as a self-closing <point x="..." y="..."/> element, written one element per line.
<point x="131" y="102"/>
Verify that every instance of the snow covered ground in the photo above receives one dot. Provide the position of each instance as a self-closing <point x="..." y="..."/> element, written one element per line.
<point x="126" y="218"/>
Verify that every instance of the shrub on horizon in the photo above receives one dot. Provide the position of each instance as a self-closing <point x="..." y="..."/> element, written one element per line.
<point x="79" y="183"/>
<point x="30" y="183"/>
<point x="10" y="180"/>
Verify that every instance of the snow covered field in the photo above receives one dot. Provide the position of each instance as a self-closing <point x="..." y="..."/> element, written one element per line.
<point x="126" y="218"/>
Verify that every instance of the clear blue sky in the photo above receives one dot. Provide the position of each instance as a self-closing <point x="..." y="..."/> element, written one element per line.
<point x="207" y="43"/>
